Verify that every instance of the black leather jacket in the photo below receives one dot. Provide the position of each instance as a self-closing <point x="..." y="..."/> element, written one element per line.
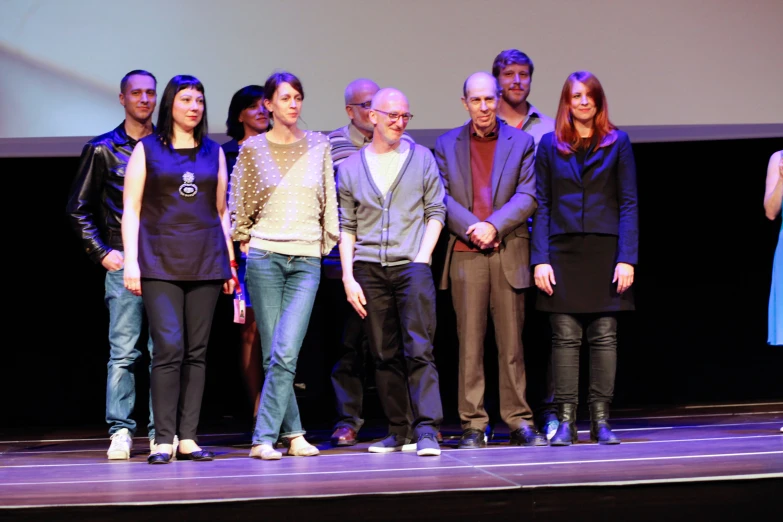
<point x="95" y="203"/>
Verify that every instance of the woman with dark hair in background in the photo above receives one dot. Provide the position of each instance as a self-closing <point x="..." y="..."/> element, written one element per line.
<point x="584" y="247"/>
<point x="178" y="254"/>
<point x="284" y="196"/>
<point x="773" y="195"/>
<point x="247" y="117"/>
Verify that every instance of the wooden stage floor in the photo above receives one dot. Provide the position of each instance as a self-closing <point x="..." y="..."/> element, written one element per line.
<point x="677" y="463"/>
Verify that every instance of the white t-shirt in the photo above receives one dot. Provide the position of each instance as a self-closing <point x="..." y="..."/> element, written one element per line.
<point x="385" y="167"/>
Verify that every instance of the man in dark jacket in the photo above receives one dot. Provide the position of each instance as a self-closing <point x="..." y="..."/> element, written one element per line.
<point x="95" y="211"/>
<point x="487" y="171"/>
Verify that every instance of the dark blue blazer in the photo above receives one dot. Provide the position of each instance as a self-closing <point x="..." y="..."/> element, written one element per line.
<point x="602" y="200"/>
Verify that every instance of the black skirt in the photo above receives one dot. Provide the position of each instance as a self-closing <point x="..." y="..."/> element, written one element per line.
<point x="584" y="267"/>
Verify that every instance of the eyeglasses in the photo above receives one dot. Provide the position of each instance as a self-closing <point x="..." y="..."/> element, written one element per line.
<point x="394" y="116"/>
<point x="363" y="105"/>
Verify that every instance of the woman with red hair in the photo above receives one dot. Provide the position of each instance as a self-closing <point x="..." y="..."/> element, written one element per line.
<point x="584" y="247"/>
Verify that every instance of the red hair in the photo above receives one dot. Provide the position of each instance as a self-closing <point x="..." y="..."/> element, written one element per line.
<point x="566" y="138"/>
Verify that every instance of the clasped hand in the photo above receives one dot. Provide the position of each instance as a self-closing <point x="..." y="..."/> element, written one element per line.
<point x="483" y="234"/>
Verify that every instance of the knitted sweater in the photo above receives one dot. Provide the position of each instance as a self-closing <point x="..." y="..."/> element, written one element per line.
<point x="389" y="228"/>
<point x="283" y="197"/>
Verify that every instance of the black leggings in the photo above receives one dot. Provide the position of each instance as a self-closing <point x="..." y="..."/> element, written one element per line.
<point x="180" y="316"/>
<point x="567" y="332"/>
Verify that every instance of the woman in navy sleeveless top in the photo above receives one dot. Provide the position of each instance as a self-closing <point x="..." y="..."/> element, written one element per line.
<point x="178" y="254"/>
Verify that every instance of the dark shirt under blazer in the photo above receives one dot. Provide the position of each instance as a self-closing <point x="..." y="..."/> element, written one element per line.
<point x="513" y="197"/>
<point x="599" y="200"/>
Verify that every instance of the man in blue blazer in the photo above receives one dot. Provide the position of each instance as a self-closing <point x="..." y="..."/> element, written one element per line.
<point x="487" y="171"/>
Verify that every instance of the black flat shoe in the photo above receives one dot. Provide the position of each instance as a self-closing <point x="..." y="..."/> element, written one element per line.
<point x="199" y="456"/>
<point x="159" y="458"/>
<point x="472" y="438"/>
<point x="527" y="436"/>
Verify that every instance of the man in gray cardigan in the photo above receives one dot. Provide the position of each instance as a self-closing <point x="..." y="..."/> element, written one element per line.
<point x="391" y="214"/>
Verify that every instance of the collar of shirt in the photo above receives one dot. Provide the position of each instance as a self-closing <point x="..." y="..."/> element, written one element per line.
<point x="357" y="137"/>
<point x="121" y="136"/>
<point x="489" y="136"/>
<point x="532" y="115"/>
<point x="532" y="112"/>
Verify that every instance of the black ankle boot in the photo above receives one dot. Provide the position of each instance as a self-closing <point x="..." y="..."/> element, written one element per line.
<point x="566" y="432"/>
<point x="600" y="431"/>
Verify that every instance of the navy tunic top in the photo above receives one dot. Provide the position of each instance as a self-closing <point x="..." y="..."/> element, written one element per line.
<point x="180" y="234"/>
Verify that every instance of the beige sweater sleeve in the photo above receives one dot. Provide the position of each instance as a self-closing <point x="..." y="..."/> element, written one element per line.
<point x="329" y="220"/>
<point x="244" y="204"/>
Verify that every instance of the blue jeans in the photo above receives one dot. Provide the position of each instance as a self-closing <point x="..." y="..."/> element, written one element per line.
<point x="125" y="321"/>
<point x="283" y="291"/>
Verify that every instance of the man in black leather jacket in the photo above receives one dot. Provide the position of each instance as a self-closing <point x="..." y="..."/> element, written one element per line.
<point x="95" y="211"/>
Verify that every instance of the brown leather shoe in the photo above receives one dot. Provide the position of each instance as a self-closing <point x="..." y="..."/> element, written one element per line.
<point x="344" y="436"/>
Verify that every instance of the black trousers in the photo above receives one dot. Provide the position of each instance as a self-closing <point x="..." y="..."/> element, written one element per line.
<point x="401" y="317"/>
<point x="349" y="376"/>
<point x="567" y="333"/>
<point x="348" y="372"/>
<point x="180" y="317"/>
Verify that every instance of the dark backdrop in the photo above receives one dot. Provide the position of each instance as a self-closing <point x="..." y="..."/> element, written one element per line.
<point x="698" y="335"/>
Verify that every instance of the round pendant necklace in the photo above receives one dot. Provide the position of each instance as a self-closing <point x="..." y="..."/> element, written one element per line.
<point x="188" y="189"/>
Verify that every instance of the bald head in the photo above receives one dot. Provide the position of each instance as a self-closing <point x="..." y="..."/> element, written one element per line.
<point x="358" y="95"/>
<point x="359" y="89"/>
<point x="389" y="96"/>
<point x="481" y="100"/>
<point x="479" y="79"/>
<point x="388" y="104"/>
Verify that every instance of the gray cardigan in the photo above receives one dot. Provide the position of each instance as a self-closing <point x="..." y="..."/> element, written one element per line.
<point x="389" y="230"/>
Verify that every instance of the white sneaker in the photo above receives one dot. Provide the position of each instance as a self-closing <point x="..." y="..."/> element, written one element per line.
<point x="154" y="446"/>
<point x="121" y="444"/>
